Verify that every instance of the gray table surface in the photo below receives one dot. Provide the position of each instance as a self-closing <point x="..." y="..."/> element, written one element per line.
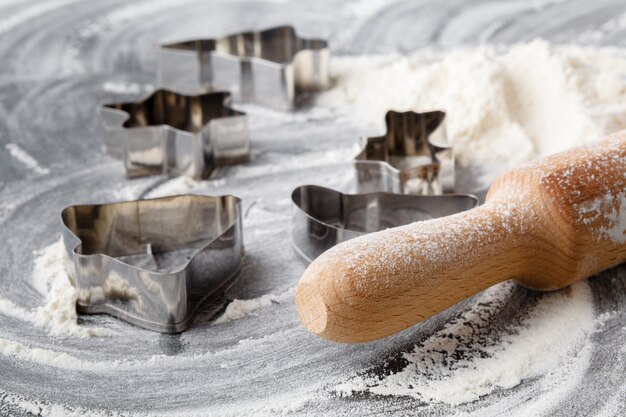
<point x="57" y="62"/>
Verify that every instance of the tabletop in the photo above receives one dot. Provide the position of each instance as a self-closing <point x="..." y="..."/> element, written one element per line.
<point x="61" y="59"/>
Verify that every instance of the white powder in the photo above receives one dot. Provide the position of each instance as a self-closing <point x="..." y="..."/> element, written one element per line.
<point x="466" y="359"/>
<point x="175" y="186"/>
<point x="606" y="215"/>
<point x="603" y="318"/>
<point x="9" y="309"/>
<point x="127" y="192"/>
<point x="239" y="309"/>
<point x="59" y="311"/>
<point x="11" y="21"/>
<point x="62" y="360"/>
<point x="615" y="230"/>
<point x="186" y="185"/>
<point x="310" y="160"/>
<point x="26" y="159"/>
<point x="47" y="357"/>
<point x="283" y="404"/>
<point x="58" y="314"/>
<point x="506" y="106"/>
<point x="609" y="212"/>
<point x="123" y="87"/>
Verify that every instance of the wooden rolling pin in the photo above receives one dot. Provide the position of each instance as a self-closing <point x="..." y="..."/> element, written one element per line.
<point x="546" y="224"/>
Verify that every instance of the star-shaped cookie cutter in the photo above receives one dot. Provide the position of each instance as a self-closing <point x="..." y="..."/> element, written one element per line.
<point x="153" y="262"/>
<point x="267" y="67"/>
<point x="324" y="217"/>
<point x="175" y="134"/>
<point x="412" y="157"/>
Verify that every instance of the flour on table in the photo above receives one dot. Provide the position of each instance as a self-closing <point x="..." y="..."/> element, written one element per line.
<point x="506" y="106"/>
<point x="615" y="229"/>
<point x="58" y="314"/>
<point x="468" y="359"/>
<point x="180" y="185"/>
<point x="502" y="105"/>
<point x="175" y="186"/>
<point x="280" y="405"/>
<point x="238" y="309"/>
<point x="122" y="87"/>
<point x="26" y="159"/>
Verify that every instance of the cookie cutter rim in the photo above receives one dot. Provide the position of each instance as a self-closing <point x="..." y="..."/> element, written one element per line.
<point x="264" y="66"/>
<point x="307" y="250"/>
<point x="105" y="265"/>
<point x="437" y="175"/>
<point x="221" y="140"/>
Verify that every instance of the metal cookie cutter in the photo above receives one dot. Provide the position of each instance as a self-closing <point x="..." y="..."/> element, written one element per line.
<point x="411" y="158"/>
<point x="176" y="134"/>
<point x="266" y="67"/>
<point x="324" y="218"/>
<point x="153" y="262"/>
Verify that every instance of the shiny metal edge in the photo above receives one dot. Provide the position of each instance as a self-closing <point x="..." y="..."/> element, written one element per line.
<point x="89" y="273"/>
<point x="430" y="178"/>
<point x="163" y="149"/>
<point x="312" y="233"/>
<point x="201" y="64"/>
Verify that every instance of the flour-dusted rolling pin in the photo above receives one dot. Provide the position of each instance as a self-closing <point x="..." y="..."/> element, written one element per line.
<point x="546" y="224"/>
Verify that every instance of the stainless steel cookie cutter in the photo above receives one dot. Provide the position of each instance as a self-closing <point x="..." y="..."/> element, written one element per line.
<point x="175" y="134"/>
<point x="267" y="67"/>
<point x="153" y="262"/>
<point x="412" y="157"/>
<point x="324" y="217"/>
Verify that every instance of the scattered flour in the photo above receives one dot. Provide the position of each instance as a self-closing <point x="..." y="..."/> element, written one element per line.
<point x="26" y="159"/>
<point x="607" y="213"/>
<point x="603" y="318"/>
<point x="128" y="192"/>
<point x="284" y="404"/>
<point x="11" y="21"/>
<point x="468" y="359"/>
<point x="61" y="360"/>
<point x="239" y="309"/>
<point x="610" y="211"/>
<point x="94" y="28"/>
<point x="58" y="314"/>
<point x="59" y="311"/>
<point x="185" y="185"/>
<point x="47" y="357"/>
<point x="121" y="87"/>
<point x="175" y="186"/>
<point x="504" y="106"/>
<point x="336" y="155"/>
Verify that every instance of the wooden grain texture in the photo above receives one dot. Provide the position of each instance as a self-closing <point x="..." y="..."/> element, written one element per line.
<point x="546" y="224"/>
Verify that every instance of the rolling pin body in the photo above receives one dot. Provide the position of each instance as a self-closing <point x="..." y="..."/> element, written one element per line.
<point x="546" y="224"/>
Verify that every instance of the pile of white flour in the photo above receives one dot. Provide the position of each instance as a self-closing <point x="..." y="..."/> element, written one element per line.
<point x="505" y="106"/>
<point x="468" y="358"/>
<point x="58" y="313"/>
